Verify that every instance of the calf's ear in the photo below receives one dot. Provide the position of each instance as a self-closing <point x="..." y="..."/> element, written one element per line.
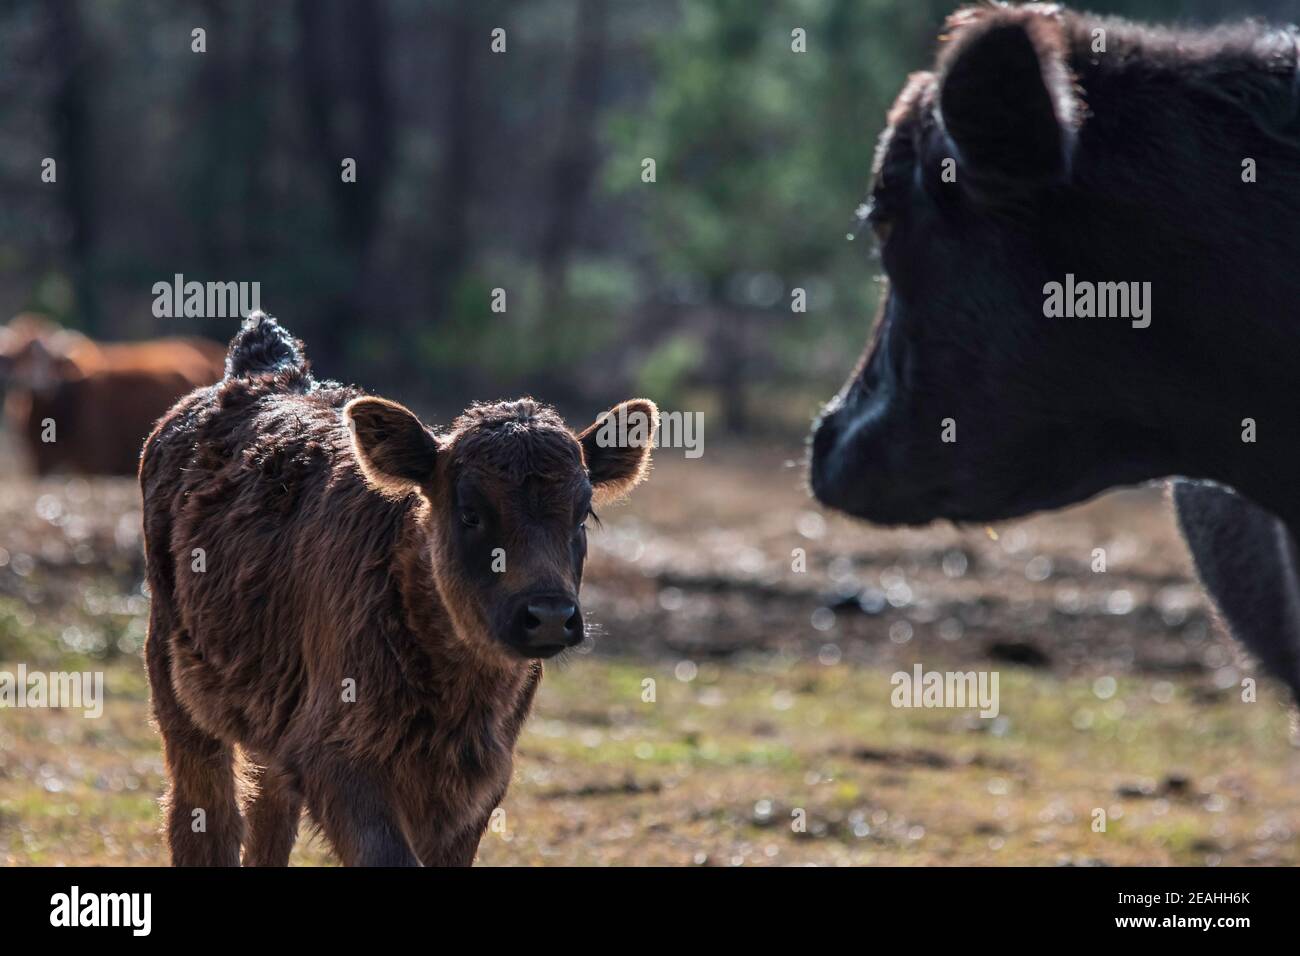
<point x="616" y="448"/>
<point x="397" y="454"/>
<point x="1007" y="101"/>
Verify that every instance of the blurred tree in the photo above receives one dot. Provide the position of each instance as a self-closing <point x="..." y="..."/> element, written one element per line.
<point x="575" y="160"/>
<point x="465" y="37"/>
<point x="71" y="118"/>
<point x="349" y="116"/>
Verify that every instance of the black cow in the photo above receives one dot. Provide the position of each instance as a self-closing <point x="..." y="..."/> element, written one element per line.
<point x="1052" y="149"/>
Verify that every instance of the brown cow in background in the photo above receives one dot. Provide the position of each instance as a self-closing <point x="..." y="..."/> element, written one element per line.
<point x="86" y="407"/>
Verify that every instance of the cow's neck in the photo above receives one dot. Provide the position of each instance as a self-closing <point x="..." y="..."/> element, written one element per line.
<point x="1218" y="442"/>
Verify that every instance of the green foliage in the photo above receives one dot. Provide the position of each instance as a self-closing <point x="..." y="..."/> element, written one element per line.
<point x="667" y="367"/>
<point x="762" y="153"/>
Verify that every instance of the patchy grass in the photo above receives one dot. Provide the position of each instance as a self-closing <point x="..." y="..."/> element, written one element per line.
<point x="764" y="761"/>
<point x="770" y="761"/>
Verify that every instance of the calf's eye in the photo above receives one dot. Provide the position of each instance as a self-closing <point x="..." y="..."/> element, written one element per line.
<point x="470" y="519"/>
<point x="882" y="228"/>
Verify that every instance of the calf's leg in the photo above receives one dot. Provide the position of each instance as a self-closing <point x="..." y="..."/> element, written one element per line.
<point x="272" y="817"/>
<point x="465" y="847"/>
<point x="354" y="811"/>
<point x="203" y="822"/>
<point x="1247" y="560"/>
<point x="438" y="848"/>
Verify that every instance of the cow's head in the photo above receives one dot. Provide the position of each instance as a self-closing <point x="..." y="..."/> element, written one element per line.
<point x="36" y="355"/>
<point x="510" y="490"/>
<point x="993" y="180"/>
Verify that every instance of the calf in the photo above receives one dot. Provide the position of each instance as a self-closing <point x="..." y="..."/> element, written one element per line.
<point x="359" y="604"/>
<point x="1047" y="150"/>
<point x="85" y="407"/>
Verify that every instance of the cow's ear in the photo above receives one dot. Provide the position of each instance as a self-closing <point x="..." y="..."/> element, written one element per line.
<point x="41" y="364"/>
<point x="397" y="454"/>
<point x="616" y="448"/>
<point x="1007" y="101"/>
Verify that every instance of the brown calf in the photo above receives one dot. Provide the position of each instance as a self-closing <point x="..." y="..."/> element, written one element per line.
<point x="85" y="407"/>
<point x="358" y="603"/>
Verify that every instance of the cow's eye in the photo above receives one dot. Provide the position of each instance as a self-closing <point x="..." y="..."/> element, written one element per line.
<point x="469" y="518"/>
<point x="882" y="227"/>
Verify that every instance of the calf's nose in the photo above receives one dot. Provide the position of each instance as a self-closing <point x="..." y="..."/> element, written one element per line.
<point x="552" y="620"/>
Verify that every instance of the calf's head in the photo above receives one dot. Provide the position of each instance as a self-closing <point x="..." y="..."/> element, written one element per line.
<point x="510" y="490"/>
<point x="1026" y="159"/>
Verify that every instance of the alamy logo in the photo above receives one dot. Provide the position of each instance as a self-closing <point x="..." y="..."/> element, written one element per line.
<point x="74" y="908"/>
<point x="953" y="689"/>
<point x="205" y="300"/>
<point x="77" y="691"/>
<point x="1098" y="300"/>
<point x="632" y="429"/>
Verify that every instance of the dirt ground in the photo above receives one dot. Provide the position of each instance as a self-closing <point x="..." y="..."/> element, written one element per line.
<point x="734" y="706"/>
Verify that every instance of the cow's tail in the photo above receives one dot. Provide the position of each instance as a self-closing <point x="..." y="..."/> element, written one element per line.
<point x="264" y="347"/>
